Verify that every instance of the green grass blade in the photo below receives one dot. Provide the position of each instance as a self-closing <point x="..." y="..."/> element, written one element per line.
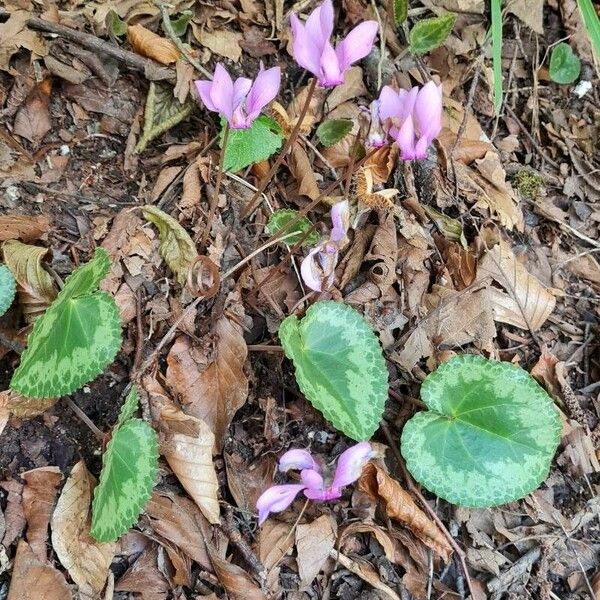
<point x="497" y="52"/>
<point x="592" y="23"/>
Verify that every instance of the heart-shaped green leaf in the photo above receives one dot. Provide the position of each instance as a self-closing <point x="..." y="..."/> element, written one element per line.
<point x="129" y="469"/>
<point x="339" y="366"/>
<point x="488" y="437"/>
<point x="280" y="218"/>
<point x="249" y="146"/>
<point x="333" y="131"/>
<point x="429" y="34"/>
<point x="7" y="289"/>
<point x="129" y="406"/>
<point x="565" y="65"/>
<point x="76" y="338"/>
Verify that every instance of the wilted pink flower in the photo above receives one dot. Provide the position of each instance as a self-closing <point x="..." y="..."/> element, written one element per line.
<point x="318" y="268"/>
<point x="413" y="118"/>
<point x="240" y="102"/>
<point x="312" y="47"/>
<point x="349" y="467"/>
<point x="377" y="136"/>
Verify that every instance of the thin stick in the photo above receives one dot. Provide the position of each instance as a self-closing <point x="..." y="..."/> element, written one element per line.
<point x="169" y="31"/>
<point x="85" y="419"/>
<point x="150" y="68"/>
<point x="468" y="107"/>
<point x="251" y="205"/>
<point x="215" y="199"/>
<point x="415" y="490"/>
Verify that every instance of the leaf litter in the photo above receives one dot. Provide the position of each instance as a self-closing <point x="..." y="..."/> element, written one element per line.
<point x="421" y="264"/>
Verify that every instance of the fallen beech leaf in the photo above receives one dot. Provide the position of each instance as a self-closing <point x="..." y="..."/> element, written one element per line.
<point x="144" y="577"/>
<point x="36" y="580"/>
<point x="211" y="383"/>
<point x="15" y="34"/>
<point x="26" y="229"/>
<point x="223" y="42"/>
<point x="149" y="44"/>
<point x="86" y="560"/>
<point x="314" y="542"/>
<point x="187" y="445"/>
<point x="302" y="171"/>
<point x="247" y="480"/>
<point x="36" y="287"/>
<point x="275" y="540"/>
<point x="176" y="246"/>
<point x="39" y="494"/>
<point x="526" y="303"/>
<point x="32" y="120"/>
<point x="238" y="584"/>
<point x="13" y="513"/>
<point x="26" y="408"/>
<point x="400" y="506"/>
<point x="380" y="535"/>
<point x="461" y="263"/>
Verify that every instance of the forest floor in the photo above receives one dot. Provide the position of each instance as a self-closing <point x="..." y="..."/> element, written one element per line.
<point x="527" y="181"/>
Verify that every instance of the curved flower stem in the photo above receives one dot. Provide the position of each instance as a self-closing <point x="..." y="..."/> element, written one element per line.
<point x="251" y="205"/>
<point x="215" y="198"/>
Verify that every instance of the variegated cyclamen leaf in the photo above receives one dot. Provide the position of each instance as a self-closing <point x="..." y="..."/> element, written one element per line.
<point x="76" y="338"/>
<point x="488" y="437"/>
<point x="7" y="289"/>
<point x="279" y="220"/>
<point x="129" y="406"/>
<point x="339" y="366"/>
<point x="129" y="469"/>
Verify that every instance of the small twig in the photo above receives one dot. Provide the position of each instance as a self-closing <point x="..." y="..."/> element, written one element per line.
<point x="215" y="198"/>
<point x="415" y="490"/>
<point x="151" y="69"/>
<point x="168" y="28"/>
<point x="511" y="112"/>
<point x="85" y="419"/>
<point x="235" y="537"/>
<point x="264" y="348"/>
<point x="468" y="107"/>
<point x="251" y="204"/>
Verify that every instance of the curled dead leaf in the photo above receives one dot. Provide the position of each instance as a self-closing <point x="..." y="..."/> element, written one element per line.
<point x="86" y="560"/>
<point x="203" y="278"/>
<point x="32" y="121"/>
<point x="26" y="229"/>
<point x="400" y="506"/>
<point x="26" y="408"/>
<point x="238" y="584"/>
<point x="149" y="44"/>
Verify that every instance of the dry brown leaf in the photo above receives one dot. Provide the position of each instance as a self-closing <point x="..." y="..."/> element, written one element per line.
<point x="237" y="583"/>
<point x="165" y="178"/>
<point x="525" y="303"/>
<point x="461" y="263"/>
<point x="32" y="120"/>
<point x="13" y="513"/>
<point x="149" y="44"/>
<point x="144" y="577"/>
<point x="86" y="560"/>
<point x="180" y="521"/>
<point x="380" y="535"/>
<point x="210" y="381"/>
<point x="314" y="542"/>
<point x="23" y="407"/>
<point x="531" y="13"/>
<point x="26" y="229"/>
<point x="187" y="444"/>
<point x="15" y="34"/>
<point x="302" y="170"/>
<point x="400" y="506"/>
<point x="223" y="42"/>
<point x="275" y="540"/>
<point x="191" y="187"/>
<point x="36" y="580"/>
<point x="39" y="494"/>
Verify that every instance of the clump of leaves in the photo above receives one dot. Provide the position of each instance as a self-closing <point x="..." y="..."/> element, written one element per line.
<point x="7" y="289"/>
<point x="76" y="338"/>
<point x="339" y="366"/>
<point x="279" y="220"/>
<point x="528" y="183"/>
<point x="488" y="437"/>
<point x="246" y="147"/>
<point x="129" y="470"/>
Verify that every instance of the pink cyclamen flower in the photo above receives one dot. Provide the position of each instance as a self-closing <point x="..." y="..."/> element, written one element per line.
<point x="377" y="136"/>
<point x="240" y="102"/>
<point x="312" y="49"/>
<point x="413" y="118"/>
<point x="349" y="467"/>
<point x="318" y="268"/>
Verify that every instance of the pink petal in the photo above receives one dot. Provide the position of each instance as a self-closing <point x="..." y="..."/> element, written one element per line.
<point x="310" y="271"/>
<point x="331" y="73"/>
<point x="297" y="460"/>
<point x="276" y="499"/>
<point x="330" y="493"/>
<point x="340" y="218"/>
<point x="421" y="148"/>
<point x="240" y="90"/>
<point x="408" y="100"/>
<point x="326" y="19"/>
<point x="204" y="87"/>
<point x="350" y="464"/>
<point x="357" y="44"/>
<point x="305" y="50"/>
<point x="312" y="480"/>
<point x="221" y="92"/>
<point x="263" y="90"/>
<point x="428" y="110"/>
<point x="406" y="140"/>
<point x="390" y="104"/>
